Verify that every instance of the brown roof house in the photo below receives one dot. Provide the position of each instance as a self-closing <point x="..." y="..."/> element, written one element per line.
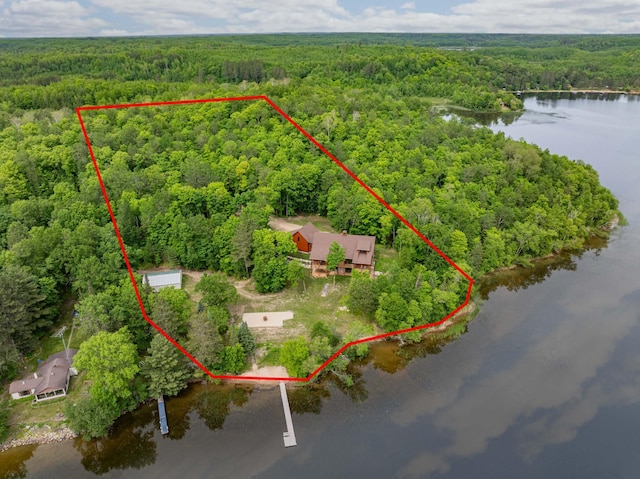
<point x="50" y="381"/>
<point x="358" y="253"/>
<point x="303" y="237"/>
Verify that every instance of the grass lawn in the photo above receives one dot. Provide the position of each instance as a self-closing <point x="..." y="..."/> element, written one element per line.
<point x="385" y="257"/>
<point x="308" y="307"/>
<point x="189" y="286"/>
<point x="24" y="412"/>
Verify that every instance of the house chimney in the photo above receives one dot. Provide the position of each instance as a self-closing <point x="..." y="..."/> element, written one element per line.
<point x="344" y="232"/>
<point x="35" y="375"/>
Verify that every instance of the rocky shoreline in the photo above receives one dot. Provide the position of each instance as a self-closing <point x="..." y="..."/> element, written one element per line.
<point x="39" y="435"/>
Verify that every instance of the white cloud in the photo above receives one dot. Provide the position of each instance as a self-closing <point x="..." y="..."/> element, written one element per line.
<point x="68" y="18"/>
<point x="113" y="32"/>
<point x="550" y="389"/>
<point x="44" y="18"/>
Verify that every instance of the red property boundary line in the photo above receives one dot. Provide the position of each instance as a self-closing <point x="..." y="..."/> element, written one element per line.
<point x="79" y="111"/>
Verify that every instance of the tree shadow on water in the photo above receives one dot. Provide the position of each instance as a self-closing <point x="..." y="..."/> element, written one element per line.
<point x="213" y="405"/>
<point x="130" y="445"/>
<point x="308" y="398"/>
<point x="13" y="462"/>
<point x="521" y="278"/>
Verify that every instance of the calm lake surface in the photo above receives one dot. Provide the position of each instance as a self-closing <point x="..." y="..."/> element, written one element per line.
<point x="545" y="383"/>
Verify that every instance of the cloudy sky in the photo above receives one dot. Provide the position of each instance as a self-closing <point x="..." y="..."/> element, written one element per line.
<point x="64" y="18"/>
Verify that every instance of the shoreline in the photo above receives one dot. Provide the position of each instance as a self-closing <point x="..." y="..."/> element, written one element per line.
<point x="39" y="435"/>
<point x="46" y="435"/>
<point x="608" y="227"/>
<point x="586" y="90"/>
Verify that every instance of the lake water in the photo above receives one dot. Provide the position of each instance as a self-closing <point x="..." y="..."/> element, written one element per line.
<point x="544" y="384"/>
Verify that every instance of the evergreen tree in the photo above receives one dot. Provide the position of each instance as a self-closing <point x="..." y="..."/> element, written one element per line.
<point x="245" y="337"/>
<point x="166" y="368"/>
<point x="4" y="416"/>
<point x="24" y="316"/>
<point x="204" y="341"/>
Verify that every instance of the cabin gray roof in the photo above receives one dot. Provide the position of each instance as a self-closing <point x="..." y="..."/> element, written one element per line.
<point x="158" y="279"/>
<point x="357" y="248"/>
<point x="60" y="355"/>
<point x="307" y="231"/>
<point x="22" y="385"/>
<point x="52" y="375"/>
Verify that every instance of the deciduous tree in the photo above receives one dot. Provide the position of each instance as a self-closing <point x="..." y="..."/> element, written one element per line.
<point x="111" y="361"/>
<point x="293" y="355"/>
<point x="335" y="256"/>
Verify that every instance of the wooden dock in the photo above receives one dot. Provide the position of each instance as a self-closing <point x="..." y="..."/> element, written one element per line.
<point x="162" y="413"/>
<point x="289" y="435"/>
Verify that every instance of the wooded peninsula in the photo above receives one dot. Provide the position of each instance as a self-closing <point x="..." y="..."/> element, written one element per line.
<point x="198" y="187"/>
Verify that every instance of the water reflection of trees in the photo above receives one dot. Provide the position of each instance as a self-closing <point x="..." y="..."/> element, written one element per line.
<point x="130" y="445"/>
<point x="308" y="398"/>
<point x="551" y="98"/>
<point x="490" y="119"/>
<point x="13" y="462"/>
<point x="213" y="405"/>
<point x="356" y="391"/>
<point x="521" y="278"/>
<point x="135" y="449"/>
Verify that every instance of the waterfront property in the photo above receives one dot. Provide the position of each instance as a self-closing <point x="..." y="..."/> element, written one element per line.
<point x="163" y="279"/>
<point x="50" y="381"/>
<point x="358" y="249"/>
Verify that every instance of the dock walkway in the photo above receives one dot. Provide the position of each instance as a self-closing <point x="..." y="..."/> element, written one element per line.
<point x="289" y="435"/>
<point x="162" y="413"/>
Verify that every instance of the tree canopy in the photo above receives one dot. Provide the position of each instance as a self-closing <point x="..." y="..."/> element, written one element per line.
<point x="111" y="361"/>
<point x="193" y="186"/>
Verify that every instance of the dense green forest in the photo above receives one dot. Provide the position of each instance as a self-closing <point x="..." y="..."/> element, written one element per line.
<point x="194" y="185"/>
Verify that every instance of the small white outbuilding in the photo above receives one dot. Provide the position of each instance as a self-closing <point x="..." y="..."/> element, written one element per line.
<point x="163" y="279"/>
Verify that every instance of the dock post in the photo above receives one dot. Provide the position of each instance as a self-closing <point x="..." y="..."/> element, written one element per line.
<point x="289" y="435"/>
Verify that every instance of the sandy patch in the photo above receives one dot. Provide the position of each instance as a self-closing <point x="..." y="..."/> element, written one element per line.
<point x="280" y="224"/>
<point x="267" y="372"/>
<point x="273" y="319"/>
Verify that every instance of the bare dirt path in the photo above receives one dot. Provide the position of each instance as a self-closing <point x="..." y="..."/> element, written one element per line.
<point x="241" y="287"/>
<point x="196" y="276"/>
<point x="280" y="224"/>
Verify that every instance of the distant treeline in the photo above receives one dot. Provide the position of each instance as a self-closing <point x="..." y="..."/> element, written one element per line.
<point x="473" y="70"/>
